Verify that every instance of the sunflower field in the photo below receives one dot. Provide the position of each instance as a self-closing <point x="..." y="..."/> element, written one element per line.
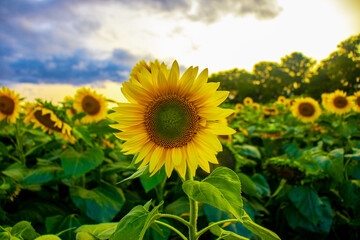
<point x="179" y="161"/>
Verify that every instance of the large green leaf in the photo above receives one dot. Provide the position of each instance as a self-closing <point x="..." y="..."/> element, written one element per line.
<point x="306" y="200"/>
<point x="297" y="221"/>
<point x="48" y="237"/>
<point x="82" y="132"/>
<point x="16" y="171"/>
<point x="221" y="189"/>
<point x="227" y="235"/>
<point x="41" y="175"/>
<point x="148" y="182"/>
<point x="101" y="231"/>
<point x="337" y="159"/>
<point x="136" y="174"/>
<point x="100" y="204"/>
<point x="78" y="164"/>
<point x="262" y="186"/>
<point x="133" y="226"/>
<point x="247" y="185"/>
<point x="25" y="230"/>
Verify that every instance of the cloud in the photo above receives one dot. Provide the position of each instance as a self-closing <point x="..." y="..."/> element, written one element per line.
<point x="77" y="69"/>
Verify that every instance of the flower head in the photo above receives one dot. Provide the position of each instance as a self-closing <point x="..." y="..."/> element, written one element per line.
<point x="171" y="121"/>
<point x="338" y="103"/>
<point x="306" y="109"/>
<point x="356" y="99"/>
<point x="93" y="104"/>
<point x="248" y="101"/>
<point x="46" y="118"/>
<point x="9" y="105"/>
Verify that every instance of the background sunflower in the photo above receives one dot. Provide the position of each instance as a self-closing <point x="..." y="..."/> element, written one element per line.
<point x="248" y="101"/>
<point x="338" y="103"/>
<point x="95" y="105"/>
<point x="356" y="99"/>
<point x="306" y="109"/>
<point x="9" y="105"/>
<point x="48" y="121"/>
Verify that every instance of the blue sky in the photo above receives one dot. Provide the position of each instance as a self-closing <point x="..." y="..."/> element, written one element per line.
<point x="84" y="41"/>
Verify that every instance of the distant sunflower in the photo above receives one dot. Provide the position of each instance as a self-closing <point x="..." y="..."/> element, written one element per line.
<point x="255" y="106"/>
<point x="324" y="100"/>
<point x="248" y="101"/>
<point x="238" y="107"/>
<point x="48" y="121"/>
<point x="172" y="121"/>
<point x="93" y="104"/>
<point x="356" y="99"/>
<point x="70" y="111"/>
<point x="281" y="100"/>
<point x="338" y="103"/>
<point x="9" y="105"/>
<point x="306" y="109"/>
<point x="270" y="111"/>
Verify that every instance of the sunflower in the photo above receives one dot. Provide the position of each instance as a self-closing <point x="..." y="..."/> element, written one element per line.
<point x="93" y="104"/>
<point x="248" y="101"/>
<point x="255" y="106"/>
<point x="281" y="100"/>
<point x="48" y="121"/>
<point x="270" y="111"/>
<point x="306" y="109"/>
<point x="70" y="111"/>
<point x="9" y="105"/>
<point x="356" y="99"/>
<point x="238" y="107"/>
<point x="172" y="120"/>
<point x="324" y="100"/>
<point x="338" y="103"/>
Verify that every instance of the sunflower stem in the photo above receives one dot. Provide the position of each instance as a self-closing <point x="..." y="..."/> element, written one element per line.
<point x="193" y="212"/>
<point x="172" y="228"/>
<point x="20" y="144"/>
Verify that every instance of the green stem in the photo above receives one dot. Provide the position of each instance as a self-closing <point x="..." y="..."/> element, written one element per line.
<point x="172" y="228"/>
<point x="193" y="212"/>
<point x="183" y="221"/>
<point x="214" y="224"/>
<point x="20" y="145"/>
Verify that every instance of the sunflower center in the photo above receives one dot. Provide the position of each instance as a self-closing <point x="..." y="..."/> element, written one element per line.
<point x="90" y="105"/>
<point x="306" y="109"/>
<point x="340" y="102"/>
<point x="358" y="101"/>
<point x="171" y="121"/>
<point x="7" y="105"/>
<point x="46" y="120"/>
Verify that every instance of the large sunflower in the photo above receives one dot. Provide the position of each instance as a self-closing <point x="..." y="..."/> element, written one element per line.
<point x="356" y="99"/>
<point x="248" y="101"/>
<point x="48" y="121"/>
<point x="306" y="109"/>
<point x="9" y="105"/>
<point x="172" y="121"/>
<point x="338" y="103"/>
<point x="95" y="105"/>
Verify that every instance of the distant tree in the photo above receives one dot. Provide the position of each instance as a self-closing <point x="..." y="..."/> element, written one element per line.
<point x="299" y="68"/>
<point x="341" y="70"/>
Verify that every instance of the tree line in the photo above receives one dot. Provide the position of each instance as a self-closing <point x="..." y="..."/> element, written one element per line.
<point x="296" y="75"/>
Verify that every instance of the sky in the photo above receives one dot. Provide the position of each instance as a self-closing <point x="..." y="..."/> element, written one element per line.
<point x="49" y="48"/>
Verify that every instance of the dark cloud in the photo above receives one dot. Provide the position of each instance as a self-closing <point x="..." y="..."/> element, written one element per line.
<point x="76" y="69"/>
<point x="210" y="11"/>
<point x="40" y="40"/>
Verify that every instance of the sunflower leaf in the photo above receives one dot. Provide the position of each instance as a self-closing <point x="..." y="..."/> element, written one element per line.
<point x="221" y="189"/>
<point x="133" y="226"/>
<point x="78" y="164"/>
